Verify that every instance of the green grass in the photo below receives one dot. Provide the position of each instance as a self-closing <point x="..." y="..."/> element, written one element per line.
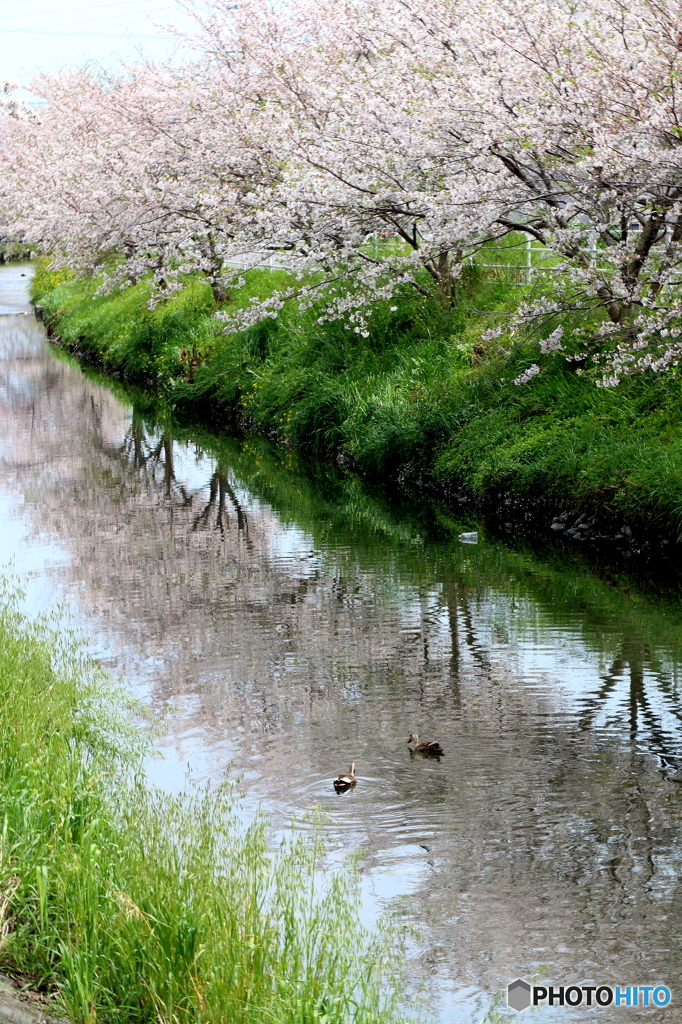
<point x="423" y="393"/>
<point x="13" y="250"/>
<point x="128" y="904"/>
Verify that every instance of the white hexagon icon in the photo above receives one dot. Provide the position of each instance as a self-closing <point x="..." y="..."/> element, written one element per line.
<point x="518" y="995"/>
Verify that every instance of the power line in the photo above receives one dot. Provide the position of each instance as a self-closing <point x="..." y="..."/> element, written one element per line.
<point x="84" y="35"/>
<point x="75" y="10"/>
<point x="87" y="21"/>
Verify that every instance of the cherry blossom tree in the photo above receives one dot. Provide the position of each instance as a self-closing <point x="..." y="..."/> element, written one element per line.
<point x="354" y="126"/>
<point x="452" y="123"/>
<point x="373" y="146"/>
<point x="130" y="176"/>
<point x="578" y="104"/>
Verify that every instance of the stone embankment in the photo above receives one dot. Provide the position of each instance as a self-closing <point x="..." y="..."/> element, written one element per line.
<point x="17" y="1006"/>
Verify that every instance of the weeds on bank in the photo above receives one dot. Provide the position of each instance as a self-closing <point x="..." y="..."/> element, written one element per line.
<point x="133" y="905"/>
<point x="424" y="392"/>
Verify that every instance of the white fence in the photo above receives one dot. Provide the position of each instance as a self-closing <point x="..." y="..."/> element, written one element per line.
<point x="527" y="269"/>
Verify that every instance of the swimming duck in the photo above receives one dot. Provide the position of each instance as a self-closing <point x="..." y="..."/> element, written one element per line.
<point x="342" y="782"/>
<point x="428" y="747"/>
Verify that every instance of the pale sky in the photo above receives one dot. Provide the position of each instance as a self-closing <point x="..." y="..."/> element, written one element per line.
<point x="47" y="34"/>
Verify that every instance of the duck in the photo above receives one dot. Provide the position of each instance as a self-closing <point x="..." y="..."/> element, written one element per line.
<point x="343" y="782"/>
<point x="428" y="747"/>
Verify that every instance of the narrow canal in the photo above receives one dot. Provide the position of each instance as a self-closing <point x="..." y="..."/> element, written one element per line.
<point x="281" y="619"/>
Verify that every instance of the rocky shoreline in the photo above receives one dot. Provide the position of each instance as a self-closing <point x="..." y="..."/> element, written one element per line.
<point x="650" y="540"/>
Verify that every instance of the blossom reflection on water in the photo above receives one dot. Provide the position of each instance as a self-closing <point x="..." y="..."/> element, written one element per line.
<point x="281" y="619"/>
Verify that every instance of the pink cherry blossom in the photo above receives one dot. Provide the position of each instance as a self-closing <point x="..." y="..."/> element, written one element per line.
<point x="370" y="147"/>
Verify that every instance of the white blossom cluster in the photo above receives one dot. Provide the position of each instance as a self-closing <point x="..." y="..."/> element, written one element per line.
<point x="372" y="145"/>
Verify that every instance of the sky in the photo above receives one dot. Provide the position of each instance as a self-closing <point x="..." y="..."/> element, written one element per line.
<point x="47" y="34"/>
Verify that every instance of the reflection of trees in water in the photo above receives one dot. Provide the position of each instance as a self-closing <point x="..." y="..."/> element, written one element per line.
<point x="644" y="722"/>
<point x="545" y="827"/>
<point x="569" y="815"/>
<point x="219" y="491"/>
<point x="571" y="818"/>
<point x="155" y="453"/>
<point x="419" y="653"/>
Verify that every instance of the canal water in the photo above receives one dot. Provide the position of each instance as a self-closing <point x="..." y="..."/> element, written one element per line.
<point x="281" y="618"/>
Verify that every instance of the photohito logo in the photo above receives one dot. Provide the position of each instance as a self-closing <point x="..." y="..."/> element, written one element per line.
<point x="521" y="995"/>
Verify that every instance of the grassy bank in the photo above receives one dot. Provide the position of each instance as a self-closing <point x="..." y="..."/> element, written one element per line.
<point x="422" y="395"/>
<point x="127" y="904"/>
<point x="13" y="250"/>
